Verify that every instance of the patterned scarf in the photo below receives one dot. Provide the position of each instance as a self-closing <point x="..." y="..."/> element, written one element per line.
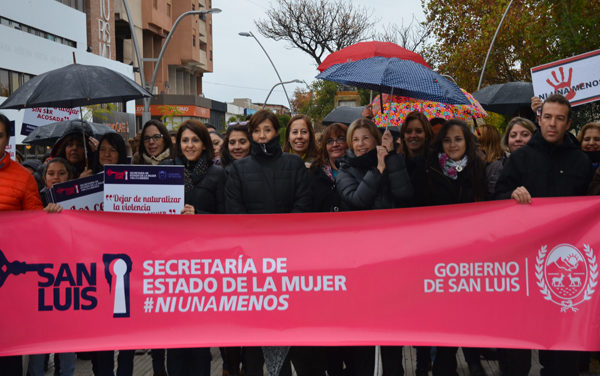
<point x="194" y="172"/>
<point x="450" y="167"/>
<point x="156" y="160"/>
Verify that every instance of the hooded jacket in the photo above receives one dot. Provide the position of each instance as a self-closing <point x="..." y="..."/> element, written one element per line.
<point x="362" y="187"/>
<point x="59" y="151"/>
<point x="267" y="181"/>
<point x="18" y="189"/>
<point x="546" y="170"/>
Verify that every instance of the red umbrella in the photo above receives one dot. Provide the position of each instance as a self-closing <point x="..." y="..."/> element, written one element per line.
<point x="364" y="50"/>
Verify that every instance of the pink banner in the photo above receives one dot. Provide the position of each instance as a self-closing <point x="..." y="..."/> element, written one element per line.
<point x="494" y="274"/>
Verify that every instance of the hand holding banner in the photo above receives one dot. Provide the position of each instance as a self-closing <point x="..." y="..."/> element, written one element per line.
<point x="459" y="277"/>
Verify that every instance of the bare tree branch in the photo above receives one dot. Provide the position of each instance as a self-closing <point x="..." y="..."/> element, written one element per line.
<point x="412" y="36"/>
<point x="316" y="26"/>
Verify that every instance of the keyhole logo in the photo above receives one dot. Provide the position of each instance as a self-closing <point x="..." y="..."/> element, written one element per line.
<point x="117" y="268"/>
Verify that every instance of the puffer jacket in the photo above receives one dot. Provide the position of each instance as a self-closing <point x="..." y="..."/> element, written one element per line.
<point x="325" y="197"/>
<point x="208" y="193"/>
<point x="546" y="170"/>
<point x="362" y="187"/>
<point x="18" y="189"/>
<point x="267" y="181"/>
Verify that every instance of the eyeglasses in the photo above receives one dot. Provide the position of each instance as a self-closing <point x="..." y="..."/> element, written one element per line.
<point x="154" y="138"/>
<point x="339" y="140"/>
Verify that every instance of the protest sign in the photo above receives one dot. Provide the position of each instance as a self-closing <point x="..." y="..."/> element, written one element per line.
<point x="11" y="148"/>
<point x="79" y="194"/>
<point x="35" y="117"/>
<point x="577" y="78"/>
<point x="494" y="274"/>
<point x="143" y="189"/>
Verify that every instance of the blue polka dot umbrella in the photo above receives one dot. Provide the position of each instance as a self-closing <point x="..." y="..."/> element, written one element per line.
<point x="396" y="76"/>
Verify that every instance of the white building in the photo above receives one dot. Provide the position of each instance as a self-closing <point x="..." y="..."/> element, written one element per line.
<point x="41" y="35"/>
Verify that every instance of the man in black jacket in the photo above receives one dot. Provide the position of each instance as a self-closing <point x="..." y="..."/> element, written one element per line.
<point x="550" y="165"/>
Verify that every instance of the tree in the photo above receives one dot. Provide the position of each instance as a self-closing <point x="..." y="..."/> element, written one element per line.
<point x="412" y="36"/>
<point x="316" y="26"/>
<point x="534" y="32"/>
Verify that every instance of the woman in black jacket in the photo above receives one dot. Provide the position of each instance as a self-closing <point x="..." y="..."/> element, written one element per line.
<point x="372" y="178"/>
<point x="454" y="174"/>
<point x="323" y="171"/>
<point x="204" y="181"/>
<point x="268" y="181"/>
<point x="369" y="176"/>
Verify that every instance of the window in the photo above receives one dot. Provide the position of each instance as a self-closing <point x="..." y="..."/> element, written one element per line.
<point x="194" y="40"/>
<point x="169" y="10"/>
<point x="155" y="4"/>
<point x="36" y="32"/>
<point x="4" y="83"/>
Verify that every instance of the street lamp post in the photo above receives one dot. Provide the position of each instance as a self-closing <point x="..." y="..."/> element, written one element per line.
<point x="492" y="44"/>
<point x="146" y="113"/>
<point x="282" y="84"/>
<point x="250" y="34"/>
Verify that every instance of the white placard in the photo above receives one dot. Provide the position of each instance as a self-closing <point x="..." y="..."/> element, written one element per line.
<point x="143" y="189"/>
<point x="577" y="78"/>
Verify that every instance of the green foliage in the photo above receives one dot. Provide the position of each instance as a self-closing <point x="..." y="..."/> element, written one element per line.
<point x="321" y="101"/>
<point x="168" y="116"/>
<point x="99" y="111"/>
<point x="284" y="119"/>
<point x="534" y="32"/>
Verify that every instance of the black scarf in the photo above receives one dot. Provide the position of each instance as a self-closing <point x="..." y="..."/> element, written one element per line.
<point x="194" y="172"/>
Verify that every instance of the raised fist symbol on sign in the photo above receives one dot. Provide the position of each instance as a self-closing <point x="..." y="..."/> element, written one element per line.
<point x="562" y="83"/>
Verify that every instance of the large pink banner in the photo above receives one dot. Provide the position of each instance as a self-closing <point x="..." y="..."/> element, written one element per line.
<point x="494" y="274"/>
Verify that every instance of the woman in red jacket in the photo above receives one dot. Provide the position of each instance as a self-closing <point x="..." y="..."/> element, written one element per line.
<point x="18" y="189"/>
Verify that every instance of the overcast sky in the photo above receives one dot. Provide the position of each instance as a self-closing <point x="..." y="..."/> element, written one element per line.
<point x="241" y="69"/>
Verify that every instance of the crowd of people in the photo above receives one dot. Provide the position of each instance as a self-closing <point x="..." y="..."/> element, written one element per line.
<point x="355" y="167"/>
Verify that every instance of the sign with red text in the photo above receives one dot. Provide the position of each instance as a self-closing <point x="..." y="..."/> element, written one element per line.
<point x="79" y="194"/>
<point x="35" y="117"/>
<point x="492" y="274"/>
<point x="143" y="189"/>
<point x="577" y="78"/>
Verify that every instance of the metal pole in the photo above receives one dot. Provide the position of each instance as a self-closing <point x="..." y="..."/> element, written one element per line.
<point x="277" y="84"/>
<point x="272" y="64"/>
<point x="170" y="35"/>
<point x="492" y="45"/>
<point x="138" y="57"/>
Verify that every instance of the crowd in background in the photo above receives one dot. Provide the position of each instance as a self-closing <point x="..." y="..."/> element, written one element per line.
<point x="356" y="167"/>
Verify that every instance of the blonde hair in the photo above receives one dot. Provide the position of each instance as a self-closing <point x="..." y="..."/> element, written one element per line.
<point x="362" y="123"/>
<point x="525" y="123"/>
<point x="585" y="128"/>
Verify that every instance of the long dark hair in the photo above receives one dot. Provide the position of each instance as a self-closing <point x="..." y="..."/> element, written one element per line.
<point x="116" y="141"/>
<point x="226" y="157"/>
<point x="202" y="132"/>
<point x="71" y="173"/>
<point x="475" y="171"/>
<point x="334" y="130"/>
<point x="421" y="118"/>
<point x="163" y="131"/>
<point x="311" y="152"/>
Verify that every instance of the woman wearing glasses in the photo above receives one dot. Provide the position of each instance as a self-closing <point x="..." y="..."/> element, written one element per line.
<point x="323" y="171"/>
<point x="155" y="145"/>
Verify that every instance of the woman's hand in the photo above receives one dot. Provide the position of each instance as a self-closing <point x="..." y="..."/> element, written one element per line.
<point x="93" y="143"/>
<point x="188" y="209"/>
<point x="536" y="103"/>
<point x="387" y="140"/>
<point x="86" y="172"/>
<point x="53" y="208"/>
<point x="381" y="154"/>
<point x="521" y="195"/>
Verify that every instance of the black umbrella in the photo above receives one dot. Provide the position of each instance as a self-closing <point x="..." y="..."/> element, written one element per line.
<point x="47" y="135"/>
<point x="75" y="85"/>
<point x="344" y="115"/>
<point x="508" y="98"/>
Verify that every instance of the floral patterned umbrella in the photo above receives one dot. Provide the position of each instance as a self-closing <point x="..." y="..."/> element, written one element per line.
<point x="395" y="112"/>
